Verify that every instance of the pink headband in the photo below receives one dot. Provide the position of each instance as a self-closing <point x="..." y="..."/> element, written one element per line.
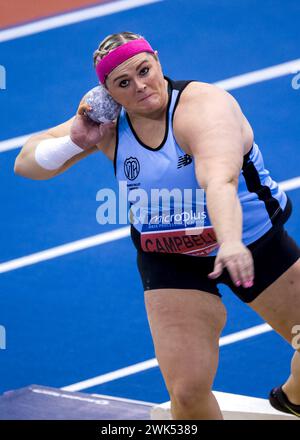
<point x="119" y="55"/>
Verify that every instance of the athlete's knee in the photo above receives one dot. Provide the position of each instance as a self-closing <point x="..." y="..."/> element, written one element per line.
<point x="189" y="393"/>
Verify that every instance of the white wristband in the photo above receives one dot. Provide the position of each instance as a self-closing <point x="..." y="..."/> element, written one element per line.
<point x="53" y="153"/>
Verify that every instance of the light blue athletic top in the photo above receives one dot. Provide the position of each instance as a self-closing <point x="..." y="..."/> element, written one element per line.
<point x="183" y="226"/>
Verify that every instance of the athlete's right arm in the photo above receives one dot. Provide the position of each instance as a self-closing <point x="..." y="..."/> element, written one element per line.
<point x="85" y="133"/>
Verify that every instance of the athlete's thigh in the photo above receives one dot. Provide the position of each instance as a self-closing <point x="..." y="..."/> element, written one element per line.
<point x="279" y="304"/>
<point x="185" y="325"/>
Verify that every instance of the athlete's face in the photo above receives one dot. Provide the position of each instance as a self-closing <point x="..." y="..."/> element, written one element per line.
<point x="138" y="85"/>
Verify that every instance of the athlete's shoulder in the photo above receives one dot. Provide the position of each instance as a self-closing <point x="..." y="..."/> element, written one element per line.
<point x="191" y="83"/>
<point x="205" y="98"/>
<point x="200" y="94"/>
<point x="201" y="90"/>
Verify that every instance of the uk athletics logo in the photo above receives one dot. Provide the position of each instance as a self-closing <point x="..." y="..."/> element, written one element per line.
<point x="131" y="168"/>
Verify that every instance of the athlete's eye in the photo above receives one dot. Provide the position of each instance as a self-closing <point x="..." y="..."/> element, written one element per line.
<point x="125" y="82"/>
<point x="145" y="69"/>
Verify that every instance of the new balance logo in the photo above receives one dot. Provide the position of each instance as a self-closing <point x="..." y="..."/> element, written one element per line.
<point x="185" y="160"/>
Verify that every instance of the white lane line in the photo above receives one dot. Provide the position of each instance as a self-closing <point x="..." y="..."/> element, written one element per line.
<point x="114" y="375"/>
<point x="245" y="334"/>
<point x="78" y="245"/>
<point x="227" y="84"/>
<point x="290" y="184"/>
<point x="71" y="18"/>
<point x="17" y="142"/>
<point x="290" y="67"/>
<point x="151" y="363"/>
<point x="94" y="240"/>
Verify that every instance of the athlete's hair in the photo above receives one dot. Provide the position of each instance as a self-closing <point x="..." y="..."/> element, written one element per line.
<point x="112" y="42"/>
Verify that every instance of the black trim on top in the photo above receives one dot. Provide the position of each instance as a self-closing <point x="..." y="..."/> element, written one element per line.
<point x="252" y="179"/>
<point x="170" y="89"/>
<point x="116" y="145"/>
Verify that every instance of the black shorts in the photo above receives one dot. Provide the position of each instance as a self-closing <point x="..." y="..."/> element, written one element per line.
<point x="273" y="254"/>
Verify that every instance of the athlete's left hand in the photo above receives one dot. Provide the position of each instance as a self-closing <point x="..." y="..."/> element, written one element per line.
<point x="237" y="259"/>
